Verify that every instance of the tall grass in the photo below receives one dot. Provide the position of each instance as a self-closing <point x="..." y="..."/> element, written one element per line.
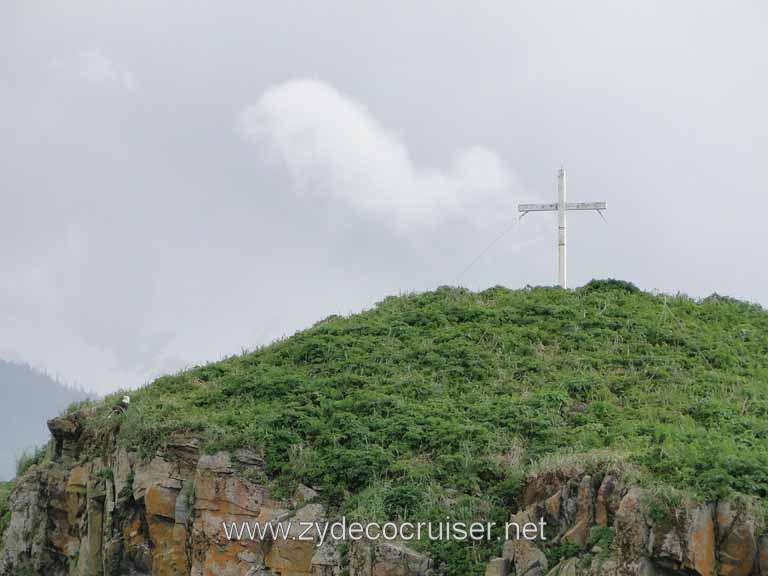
<point x="30" y="458"/>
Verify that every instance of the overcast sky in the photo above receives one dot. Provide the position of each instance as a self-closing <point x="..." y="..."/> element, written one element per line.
<point x="183" y="180"/>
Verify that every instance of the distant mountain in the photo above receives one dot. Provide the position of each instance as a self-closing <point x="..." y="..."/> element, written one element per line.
<point x="27" y="399"/>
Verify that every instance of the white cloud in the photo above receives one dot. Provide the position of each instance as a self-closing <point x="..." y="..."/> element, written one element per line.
<point x="333" y="146"/>
<point x="95" y="68"/>
<point x="98" y="69"/>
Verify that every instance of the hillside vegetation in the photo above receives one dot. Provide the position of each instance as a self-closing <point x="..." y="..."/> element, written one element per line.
<point x="440" y="403"/>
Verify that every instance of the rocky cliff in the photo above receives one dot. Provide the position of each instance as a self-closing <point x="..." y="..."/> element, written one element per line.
<point x="97" y="509"/>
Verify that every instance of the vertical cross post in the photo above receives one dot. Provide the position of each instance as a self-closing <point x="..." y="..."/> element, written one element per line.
<point x="561" y="216"/>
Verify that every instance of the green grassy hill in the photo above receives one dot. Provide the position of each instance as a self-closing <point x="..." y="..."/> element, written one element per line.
<point x="440" y="403"/>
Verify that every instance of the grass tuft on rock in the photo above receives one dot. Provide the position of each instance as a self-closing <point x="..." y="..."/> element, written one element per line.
<point x="5" y="512"/>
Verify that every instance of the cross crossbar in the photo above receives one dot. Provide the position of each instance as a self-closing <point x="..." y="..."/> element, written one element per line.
<point x="553" y="207"/>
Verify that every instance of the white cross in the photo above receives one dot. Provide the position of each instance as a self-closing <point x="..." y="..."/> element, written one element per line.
<point x="561" y="207"/>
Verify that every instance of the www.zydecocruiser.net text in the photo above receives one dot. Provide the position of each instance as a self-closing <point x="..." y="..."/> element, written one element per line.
<point x="341" y="530"/>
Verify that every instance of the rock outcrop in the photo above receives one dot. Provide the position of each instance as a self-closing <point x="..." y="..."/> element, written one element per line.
<point x="606" y="528"/>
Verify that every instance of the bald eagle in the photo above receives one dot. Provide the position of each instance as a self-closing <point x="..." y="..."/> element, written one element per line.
<point x="121" y="407"/>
